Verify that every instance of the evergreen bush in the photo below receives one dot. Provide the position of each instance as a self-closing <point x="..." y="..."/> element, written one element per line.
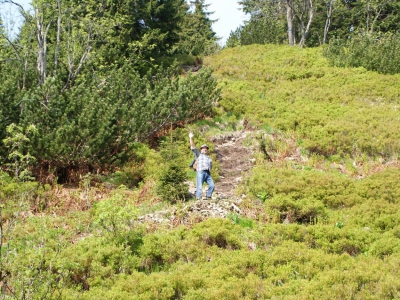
<point x="318" y="104"/>
<point x="94" y="126"/>
<point x="171" y="184"/>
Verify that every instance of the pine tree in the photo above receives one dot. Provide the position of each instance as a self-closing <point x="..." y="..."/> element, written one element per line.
<point x="11" y="82"/>
<point x="93" y="126"/>
<point x="74" y="72"/>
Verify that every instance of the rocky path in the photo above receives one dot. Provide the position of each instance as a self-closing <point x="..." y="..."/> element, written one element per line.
<point x="235" y="160"/>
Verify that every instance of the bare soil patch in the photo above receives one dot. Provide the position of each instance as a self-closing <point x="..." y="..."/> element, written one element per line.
<point x="235" y="160"/>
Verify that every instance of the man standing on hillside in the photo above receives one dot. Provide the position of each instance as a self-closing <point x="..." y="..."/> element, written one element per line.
<point x="203" y="170"/>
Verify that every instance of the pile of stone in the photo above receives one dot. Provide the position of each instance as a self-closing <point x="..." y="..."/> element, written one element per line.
<point x="193" y="212"/>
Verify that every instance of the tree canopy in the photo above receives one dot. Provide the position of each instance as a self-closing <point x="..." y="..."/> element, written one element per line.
<point x="315" y="22"/>
<point x="87" y="75"/>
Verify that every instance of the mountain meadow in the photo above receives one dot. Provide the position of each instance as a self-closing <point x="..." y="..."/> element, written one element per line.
<point x="317" y="214"/>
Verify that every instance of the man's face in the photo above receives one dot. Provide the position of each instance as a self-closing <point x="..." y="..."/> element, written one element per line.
<point x="204" y="150"/>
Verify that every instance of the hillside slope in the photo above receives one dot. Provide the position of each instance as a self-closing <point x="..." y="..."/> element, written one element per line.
<point x="333" y="111"/>
<point x="307" y="207"/>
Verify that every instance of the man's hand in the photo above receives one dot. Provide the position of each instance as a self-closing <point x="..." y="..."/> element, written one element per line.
<point x="191" y="135"/>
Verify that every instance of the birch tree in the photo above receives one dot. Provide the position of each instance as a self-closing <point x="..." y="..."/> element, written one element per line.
<point x="329" y="9"/>
<point x="299" y="15"/>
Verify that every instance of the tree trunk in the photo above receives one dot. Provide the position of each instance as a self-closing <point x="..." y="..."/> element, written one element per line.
<point x="41" y="37"/>
<point x="290" y="22"/>
<point x="305" y="30"/>
<point x="328" y="20"/>
<point x="58" y="38"/>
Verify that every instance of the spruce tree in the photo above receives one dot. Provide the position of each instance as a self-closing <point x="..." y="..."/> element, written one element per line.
<point x="171" y="184"/>
<point x="197" y="35"/>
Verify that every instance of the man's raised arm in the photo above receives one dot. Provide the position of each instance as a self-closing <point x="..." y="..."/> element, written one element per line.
<point x="192" y="145"/>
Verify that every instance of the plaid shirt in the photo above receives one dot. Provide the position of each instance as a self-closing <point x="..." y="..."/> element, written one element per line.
<point x="204" y="162"/>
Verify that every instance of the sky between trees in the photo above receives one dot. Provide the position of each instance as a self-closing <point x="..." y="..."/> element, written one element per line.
<point x="228" y="13"/>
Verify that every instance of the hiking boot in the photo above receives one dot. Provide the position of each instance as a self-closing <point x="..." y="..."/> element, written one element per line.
<point x="207" y="198"/>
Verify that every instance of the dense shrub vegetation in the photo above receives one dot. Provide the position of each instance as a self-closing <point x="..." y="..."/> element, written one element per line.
<point x="331" y="111"/>
<point x="353" y="250"/>
<point x="98" y="79"/>
<point x="319" y="220"/>
<point x="96" y="101"/>
<point x="74" y="126"/>
<point x="376" y="52"/>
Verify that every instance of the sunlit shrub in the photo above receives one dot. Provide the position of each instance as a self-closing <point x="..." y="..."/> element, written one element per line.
<point x="385" y="246"/>
<point x="217" y="232"/>
<point x="302" y="94"/>
<point x="17" y="196"/>
<point x="295" y="185"/>
<point x="171" y="185"/>
<point x="381" y="186"/>
<point x="94" y="262"/>
<point x="157" y="253"/>
<point x="306" y="210"/>
<point x="115" y="215"/>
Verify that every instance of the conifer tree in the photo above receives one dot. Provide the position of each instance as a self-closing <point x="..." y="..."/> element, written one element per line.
<point x="314" y="22"/>
<point x="197" y="35"/>
<point x="171" y="184"/>
<point x="10" y="79"/>
<point x="74" y="73"/>
<point x="93" y="126"/>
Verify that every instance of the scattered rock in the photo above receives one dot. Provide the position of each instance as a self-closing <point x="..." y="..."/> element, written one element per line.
<point x="235" y="159"/>
<point x="252" y="246"/>
<point x="194" y="210"/>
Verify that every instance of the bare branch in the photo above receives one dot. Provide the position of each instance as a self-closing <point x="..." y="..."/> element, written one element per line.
<point x="74" y="73"/>
<point x="14" y="48"/>
<point x="58" y="37"/>
<point x="21" y="8"/>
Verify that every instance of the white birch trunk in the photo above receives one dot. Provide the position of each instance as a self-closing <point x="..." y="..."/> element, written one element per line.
<point x="290" y="22"/>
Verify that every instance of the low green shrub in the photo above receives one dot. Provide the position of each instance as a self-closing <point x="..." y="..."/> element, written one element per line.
<point x="387" y="245"/>
<point x="211" y="261"/>
<point x="331" y="190"/>
<point x="158" y="252"/>
<point x="381" y="186"/>
<point x="375" y="215"/>
<point x="321" y="105"/>
<point x="349" y="278"/>
<point x="94" y="262"/>
<point x="305" y="210"/>
<point x="217" y="232"/>
<point x="115" y="215"/>
<point x="18" y="198"/>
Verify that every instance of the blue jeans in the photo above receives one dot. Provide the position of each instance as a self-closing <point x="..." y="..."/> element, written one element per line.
<point x="204" y="176"/>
